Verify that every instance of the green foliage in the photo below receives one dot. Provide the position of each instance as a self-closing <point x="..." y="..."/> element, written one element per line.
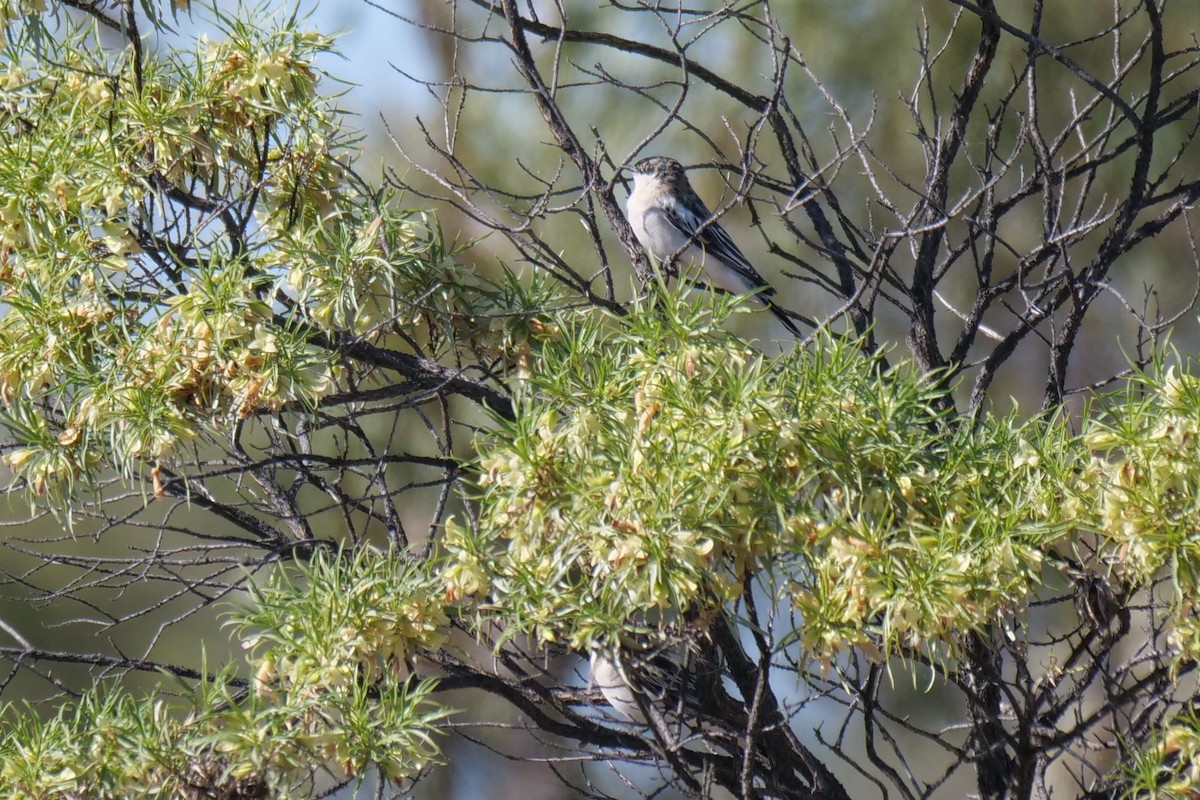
<point x="343" y="619"/>
<point x="1143" y="489"/>
<point x="1170" y="768"/>
<point x="185" y="246"/>
<point x="179" y="249"/>
<point x="656" y="461"/>
<point x="330" y="644"/>
<point x="334" y="646"/>
<point x="137" y="294"/>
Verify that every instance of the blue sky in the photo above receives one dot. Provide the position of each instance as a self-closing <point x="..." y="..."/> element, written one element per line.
<point x="371" y="41"/>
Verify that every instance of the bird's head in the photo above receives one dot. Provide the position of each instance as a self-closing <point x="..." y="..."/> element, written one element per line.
<point x="659" y="168"/>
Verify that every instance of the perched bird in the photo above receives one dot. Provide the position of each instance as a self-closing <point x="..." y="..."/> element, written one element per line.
<point x="667" y="217"/>
<point x="609" y="675"/>
<point x="675" y="692"/>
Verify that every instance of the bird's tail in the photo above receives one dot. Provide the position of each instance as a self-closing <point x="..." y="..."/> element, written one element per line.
<point x="783" y="317"/>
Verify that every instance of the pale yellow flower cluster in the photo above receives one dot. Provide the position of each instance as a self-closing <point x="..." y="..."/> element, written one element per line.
<point x="1144" y="487"/>
<point x="363" y="622"/>
<point x="647" y="475"/>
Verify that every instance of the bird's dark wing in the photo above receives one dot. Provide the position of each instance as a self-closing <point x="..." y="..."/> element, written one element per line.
<point x="716" y="243"/>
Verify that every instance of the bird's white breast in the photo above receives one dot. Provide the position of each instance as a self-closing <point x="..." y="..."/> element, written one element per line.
<point x="635" y="207"/>
<point x="650" y="223"/>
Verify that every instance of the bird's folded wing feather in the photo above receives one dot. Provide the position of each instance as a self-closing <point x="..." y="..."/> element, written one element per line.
<point x="716" y="243"/>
